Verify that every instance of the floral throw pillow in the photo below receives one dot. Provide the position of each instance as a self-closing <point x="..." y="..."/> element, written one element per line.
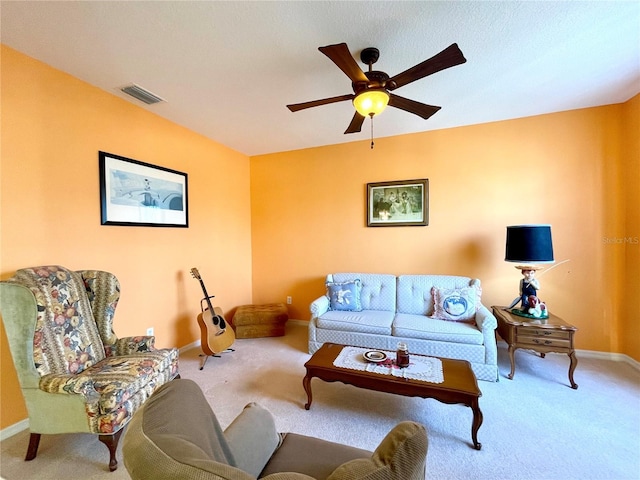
<point x="344" y="295"/>
<point x="455" y="304"/>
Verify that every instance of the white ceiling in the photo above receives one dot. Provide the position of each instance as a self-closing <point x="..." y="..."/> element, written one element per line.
<point x="227" y="69"/>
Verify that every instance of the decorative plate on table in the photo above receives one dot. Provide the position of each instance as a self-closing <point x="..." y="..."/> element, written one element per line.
<point x="375" y="356"/>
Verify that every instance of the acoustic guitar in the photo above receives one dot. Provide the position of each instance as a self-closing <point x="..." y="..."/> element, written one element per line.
<point x="217" y="335"/>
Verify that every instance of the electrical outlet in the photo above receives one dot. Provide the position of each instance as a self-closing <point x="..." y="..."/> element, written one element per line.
<point x="150" y="332"/>
<point x="288" y="300"/>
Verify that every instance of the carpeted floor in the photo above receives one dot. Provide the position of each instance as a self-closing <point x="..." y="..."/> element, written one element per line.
<point x="535" y="426"/>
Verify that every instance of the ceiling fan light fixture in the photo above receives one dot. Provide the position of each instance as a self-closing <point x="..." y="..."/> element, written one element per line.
<point x="371" y="102"/>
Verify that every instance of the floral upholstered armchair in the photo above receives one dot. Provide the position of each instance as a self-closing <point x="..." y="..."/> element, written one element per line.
<point x="76" y="375"/>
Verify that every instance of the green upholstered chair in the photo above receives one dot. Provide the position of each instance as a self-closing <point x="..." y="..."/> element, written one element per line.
<point x="176" y="435"/>
<point x="75" y="374"/>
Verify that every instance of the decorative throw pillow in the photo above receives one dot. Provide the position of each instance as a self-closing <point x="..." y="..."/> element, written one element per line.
<point x="344" y="295"/>
<point x="455" y="304"/>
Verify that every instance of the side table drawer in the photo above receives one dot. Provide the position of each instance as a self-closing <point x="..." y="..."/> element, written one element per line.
<point x="544" y="341"/>
<point x="541" y="332"/>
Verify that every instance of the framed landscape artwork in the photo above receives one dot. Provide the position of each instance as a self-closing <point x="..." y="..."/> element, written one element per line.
<point x="398" y="203"/>
<point x="135" y="193"/>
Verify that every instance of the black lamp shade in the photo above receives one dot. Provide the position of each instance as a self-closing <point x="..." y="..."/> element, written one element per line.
<point x="529" y="244"/>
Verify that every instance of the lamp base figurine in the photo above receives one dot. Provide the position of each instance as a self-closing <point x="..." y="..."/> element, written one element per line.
<point x="531" y="305"/>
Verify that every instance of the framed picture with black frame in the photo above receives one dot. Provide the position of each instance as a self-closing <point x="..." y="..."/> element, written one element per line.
<point x="398" y="203"/>
<point x="134" y="193"/>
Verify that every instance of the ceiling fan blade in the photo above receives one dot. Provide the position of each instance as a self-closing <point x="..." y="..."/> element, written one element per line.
<point x="449" y="57"/>
<point x="421" y="109"/>
<point x="340" y="55"/>
<point x="356" y="124"/>
<point x="316" y="103"/>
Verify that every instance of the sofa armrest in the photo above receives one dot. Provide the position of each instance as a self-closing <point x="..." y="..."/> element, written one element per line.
<point x="253" y="438"/>
<point x="401" y="454"/>
<point x="129" y="345"/>
<point x="485" y="320"/>
<point x="487" y="324"/>
<point x="319" y="306"/>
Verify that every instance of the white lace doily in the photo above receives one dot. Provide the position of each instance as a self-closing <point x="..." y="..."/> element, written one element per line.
<point x="426" y="369"/>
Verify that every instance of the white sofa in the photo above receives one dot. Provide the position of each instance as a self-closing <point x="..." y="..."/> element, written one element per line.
<point x="394" y="309"/>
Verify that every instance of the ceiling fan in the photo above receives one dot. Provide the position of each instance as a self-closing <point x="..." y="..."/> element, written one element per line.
<point x="372" y="89"/>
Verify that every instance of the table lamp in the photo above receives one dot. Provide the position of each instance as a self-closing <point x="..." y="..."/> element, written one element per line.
<point x="529" y="245"/>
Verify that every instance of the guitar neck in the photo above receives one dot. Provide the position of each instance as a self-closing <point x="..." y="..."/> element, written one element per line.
<point x="206" y="295"/>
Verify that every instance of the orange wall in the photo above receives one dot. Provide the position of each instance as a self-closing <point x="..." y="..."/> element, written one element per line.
<point x="53" y="126"/>
<point x="630" y="181"/>
<point x="308" y="213"/>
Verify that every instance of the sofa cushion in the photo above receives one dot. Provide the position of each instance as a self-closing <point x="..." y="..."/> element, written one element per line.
<point x="378" y="290"/>
<point x="253" y="438"/>
<point x="418" y="326"/>
<point x="367" y="321"/>
<point x="414" y="291"/>
<point x="344" y="296"/>
<point x="115" y="387"/>
<point x="455" y="304"/>
<point x="294" y="456"/>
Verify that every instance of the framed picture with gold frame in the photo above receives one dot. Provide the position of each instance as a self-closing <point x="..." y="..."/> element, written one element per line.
<point x="398" y="203"/>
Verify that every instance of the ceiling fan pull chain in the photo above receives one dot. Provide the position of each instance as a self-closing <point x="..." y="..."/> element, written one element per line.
<point x="371" y="132"/>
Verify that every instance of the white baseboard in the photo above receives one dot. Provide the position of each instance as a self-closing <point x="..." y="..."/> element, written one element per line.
<point x="190" y="346"/>
<point x="14" y="429"/>
<point x="616" y="357"/>
<point x="198" y="343"/>
<point x="298" y="322"/>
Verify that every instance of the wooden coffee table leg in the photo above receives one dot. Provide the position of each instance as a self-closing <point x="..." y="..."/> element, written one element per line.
<point x="477" y="421"/>
<point x="306" y="383"/>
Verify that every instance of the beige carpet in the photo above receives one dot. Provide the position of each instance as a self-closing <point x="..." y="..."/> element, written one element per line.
<point x="535" y="426"/>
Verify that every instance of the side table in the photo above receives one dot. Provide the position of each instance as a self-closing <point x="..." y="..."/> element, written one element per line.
<point x="541" y="335"/>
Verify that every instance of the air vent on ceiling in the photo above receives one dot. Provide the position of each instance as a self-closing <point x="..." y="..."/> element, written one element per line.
<point x="136" y="91"/>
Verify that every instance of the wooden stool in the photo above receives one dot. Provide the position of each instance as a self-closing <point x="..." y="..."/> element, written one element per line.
<point x="253" y="321"/>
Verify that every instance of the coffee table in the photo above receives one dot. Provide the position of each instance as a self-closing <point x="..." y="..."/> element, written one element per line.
<point x="459" y="386"/>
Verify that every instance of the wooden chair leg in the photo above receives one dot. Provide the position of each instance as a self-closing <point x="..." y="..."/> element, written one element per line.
<point x="111" y="441"/>
<point x="32" y="450"/>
